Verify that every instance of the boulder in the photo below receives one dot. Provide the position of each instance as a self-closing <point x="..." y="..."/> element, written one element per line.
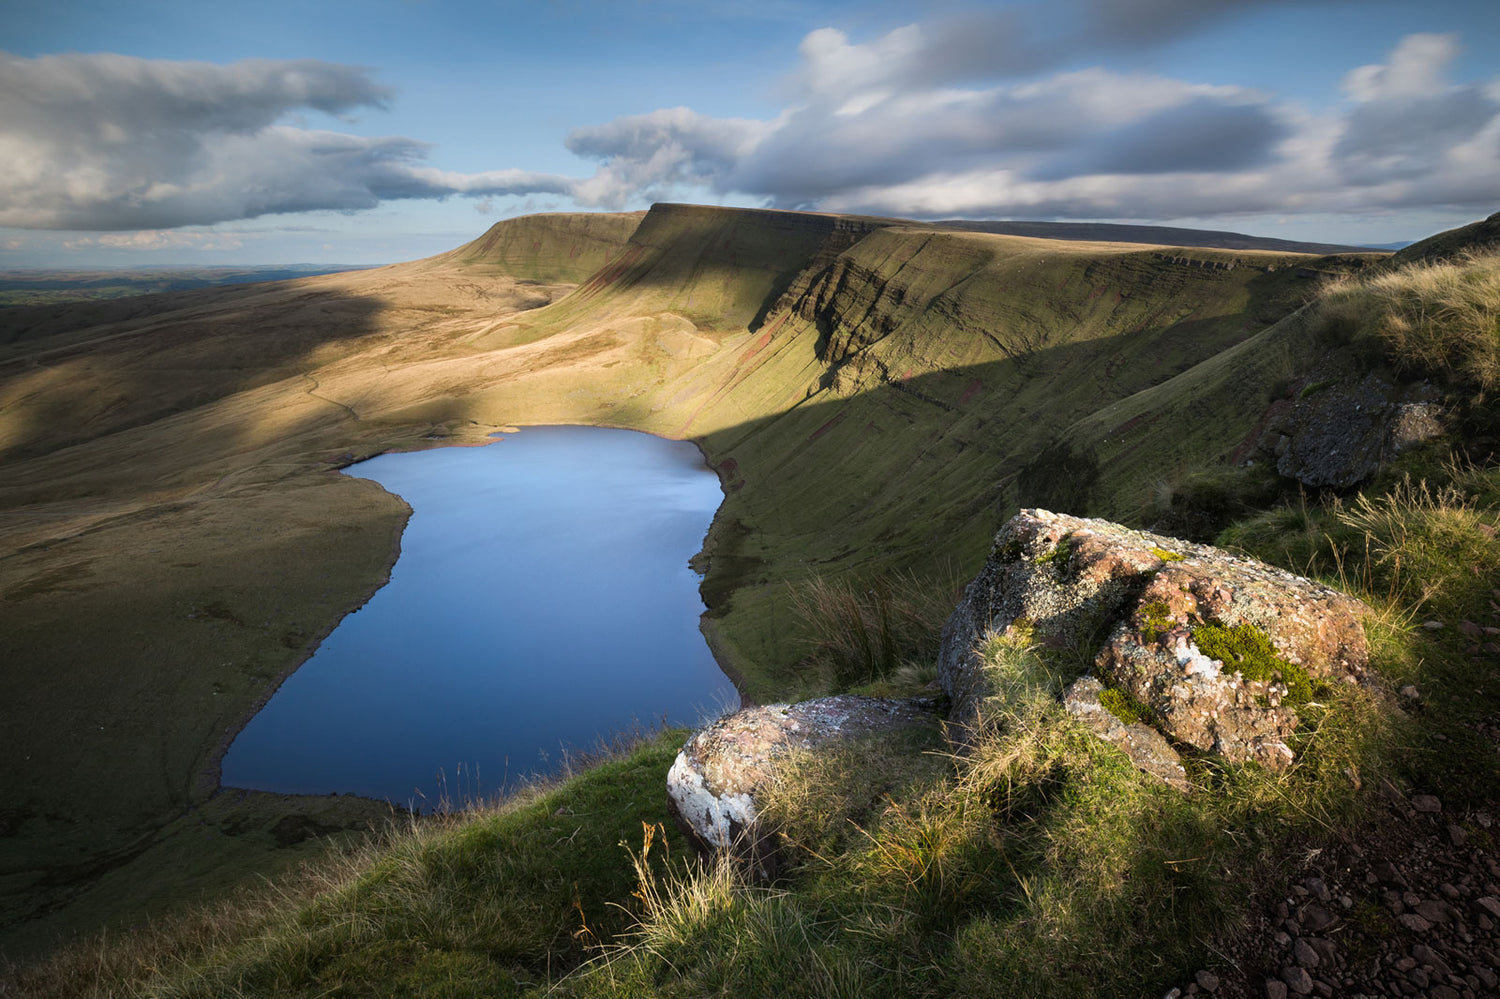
<point x="712" y="785"/>
<point x="1213" y="651"/>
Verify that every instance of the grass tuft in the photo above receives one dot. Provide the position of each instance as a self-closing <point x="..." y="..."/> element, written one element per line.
<point x="863" y="632"/>
<point x="1430" y="319"/>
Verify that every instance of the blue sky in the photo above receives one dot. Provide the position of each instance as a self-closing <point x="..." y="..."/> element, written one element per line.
<point x="383" y="130"/>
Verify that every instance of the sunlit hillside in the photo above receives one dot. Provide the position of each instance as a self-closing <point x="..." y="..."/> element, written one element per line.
<point x="877" y="397"/>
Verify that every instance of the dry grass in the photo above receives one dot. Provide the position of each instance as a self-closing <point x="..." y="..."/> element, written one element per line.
<point x="867" y="632"/>
<point x="1430" y="319"/>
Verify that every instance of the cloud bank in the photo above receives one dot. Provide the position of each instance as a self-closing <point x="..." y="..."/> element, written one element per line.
<point x="880" y="127"/>
<point x="968" y="116"/>
<point x="110" y="142"/>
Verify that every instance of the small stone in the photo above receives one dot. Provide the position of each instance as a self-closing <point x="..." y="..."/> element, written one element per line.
<point x="1281" y="938"/>
<point x="1318" y="888"/>
<point x="1426" y="956"/>
<point x="1303" y="954"/>
<point x="1387" y="873"/>
<point x="1443" y="992"/>
<point x="1316" y="918"/>
<point x="1297" y="979"/>
<point x="1418" y="977"/>
<point x="1485" y="975"/>
<point x="1426" y="803"/>
<point x="1173" y="994"/>
<point x="1275" y="989"/>
<point x="1411" y="693"/>
<point x="1207" y="981"/>
<point x="1325" y="949"/>
<point x="1406" y="964"/>
<point x="1433" y="911"/>
<point x="1345" y="902"/>
<point x="1414" y="922"/>
<point x="1431" y="626"/>
<point x="1449" y="891"/>
<point x="1489" y="904"/>
<point x="1456" y="835"/>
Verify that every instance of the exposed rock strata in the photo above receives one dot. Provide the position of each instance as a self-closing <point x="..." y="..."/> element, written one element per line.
<point x="1135" y="604"/>
<point x="712" y="786"/>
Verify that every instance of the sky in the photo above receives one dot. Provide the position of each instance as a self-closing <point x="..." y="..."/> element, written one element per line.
<point x="158" y="132"/>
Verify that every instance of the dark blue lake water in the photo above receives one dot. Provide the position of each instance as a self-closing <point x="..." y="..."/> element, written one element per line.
<point x="542" y="599"/>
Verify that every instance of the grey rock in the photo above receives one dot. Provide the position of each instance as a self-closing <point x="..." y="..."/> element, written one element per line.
<point x="1315" y="918"/>
<point x="1297" y="979"/>
<point x="713" y="783"/>
<point x="1059" y="580"/>
<point x="1434" y="911"/>
<point x="1207" y="981"/>
<point x="1426" y="803"/>
<point x="1275" y="989"/>
<point x="1414" y="922"/>
<point x="1427" y="956"/>
<point x="1304" y="955"/>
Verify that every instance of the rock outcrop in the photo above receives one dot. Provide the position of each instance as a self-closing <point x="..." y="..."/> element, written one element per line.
<point x="1179" y="647"/>
<point x="712" y="786"/>
<point x="1341" y="430"/>
<point x="1212" y="651"/>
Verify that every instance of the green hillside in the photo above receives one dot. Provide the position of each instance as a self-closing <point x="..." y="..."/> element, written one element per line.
<point x="876" y="395"/>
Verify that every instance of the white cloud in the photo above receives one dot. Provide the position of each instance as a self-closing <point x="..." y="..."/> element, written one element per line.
<point x="112" y="142"/>
<point x="947" y="118"/>
<point x="1089" y="144"/>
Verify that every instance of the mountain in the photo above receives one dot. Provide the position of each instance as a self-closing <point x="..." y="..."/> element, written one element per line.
<point x="877" y="396"/>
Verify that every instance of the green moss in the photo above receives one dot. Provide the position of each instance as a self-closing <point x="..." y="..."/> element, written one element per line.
<point x="1060" y="554"/>
<point x="1060" y="557"/>
<point x="1156" y="620"/>
<point x="1314" y="388"/>
<point x="1011" y="550"/>
<point x="1245" y="649"/>
<point x="1124" y="705"/>
<point x="1167" y="555"/>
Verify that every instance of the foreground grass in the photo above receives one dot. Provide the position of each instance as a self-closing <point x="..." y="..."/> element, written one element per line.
<point x="486" y="904"/>
<point x="1039" y="863"/>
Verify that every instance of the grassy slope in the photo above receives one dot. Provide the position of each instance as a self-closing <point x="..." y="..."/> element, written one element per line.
<point x="871" y="395"/>
<point x="1042" y="864"/>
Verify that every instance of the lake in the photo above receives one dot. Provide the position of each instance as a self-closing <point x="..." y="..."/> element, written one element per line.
<point x="543" y="599"/>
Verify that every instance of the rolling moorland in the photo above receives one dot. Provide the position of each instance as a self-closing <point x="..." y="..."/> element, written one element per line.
<point x="40" y="286"/>
<point x="877" y="397"/>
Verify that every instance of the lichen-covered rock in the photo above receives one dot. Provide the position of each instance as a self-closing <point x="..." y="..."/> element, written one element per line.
<point x="1142" y="743"/>
<point x="712" y="786"/>
<point x="1061" y="578"/>
<point x="1144" y="608"/>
